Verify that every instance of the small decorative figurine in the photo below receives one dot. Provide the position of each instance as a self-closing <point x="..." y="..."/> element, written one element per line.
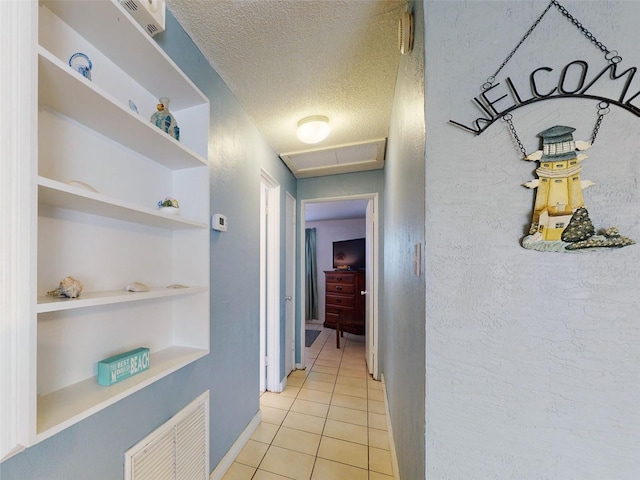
<point x="68" y="287"/>
<point x="169" y="205"/>
<point x="164" y="120"/>
<point x="81" y="64"/>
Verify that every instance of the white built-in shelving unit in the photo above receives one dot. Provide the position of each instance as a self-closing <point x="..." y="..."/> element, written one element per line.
<point x="108" y="238"/>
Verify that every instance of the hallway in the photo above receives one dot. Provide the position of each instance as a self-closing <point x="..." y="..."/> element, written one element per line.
<point x="328" y="424"/>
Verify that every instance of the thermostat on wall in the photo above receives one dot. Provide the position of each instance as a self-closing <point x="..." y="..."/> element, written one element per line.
<point x="219" y="222"/>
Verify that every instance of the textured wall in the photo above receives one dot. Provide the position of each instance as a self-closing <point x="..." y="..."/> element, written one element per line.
<point x="94" y="448"/>
<point x="402" y="333"/>
<point x="532" y="358"/>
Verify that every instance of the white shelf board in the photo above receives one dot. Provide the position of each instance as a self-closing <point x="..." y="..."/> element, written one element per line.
<point x="93" y="299"/>
<point x="63" y="408"/>
<point x="62" y="195"/>
<point x="64" y="90"/>
<point x="109" y="28"/>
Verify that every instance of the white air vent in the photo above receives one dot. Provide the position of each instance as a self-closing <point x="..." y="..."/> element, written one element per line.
<point x="150" y="14"/>
<point x="177" y="450"/>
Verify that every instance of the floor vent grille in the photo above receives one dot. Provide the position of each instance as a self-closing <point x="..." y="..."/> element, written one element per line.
<point x="177" y="450"/>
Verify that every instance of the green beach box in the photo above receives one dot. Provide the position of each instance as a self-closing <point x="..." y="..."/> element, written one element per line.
<point x="119" y="367"/>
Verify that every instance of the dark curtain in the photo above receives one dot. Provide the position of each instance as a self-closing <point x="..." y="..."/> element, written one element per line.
<point x="311" y="274"/>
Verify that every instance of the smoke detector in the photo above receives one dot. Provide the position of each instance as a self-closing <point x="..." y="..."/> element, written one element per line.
<point x="150" y="14"/>
<point x="405" y="33"/>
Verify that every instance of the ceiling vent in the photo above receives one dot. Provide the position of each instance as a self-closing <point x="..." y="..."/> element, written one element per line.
<point x="350" y="158"/>
<point x="150" y="14"/>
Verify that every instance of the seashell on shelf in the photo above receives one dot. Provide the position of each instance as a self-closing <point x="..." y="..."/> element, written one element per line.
<point x="84" y="186"/>
<point x="137" y="287"/>
<point x="68" y="287"/>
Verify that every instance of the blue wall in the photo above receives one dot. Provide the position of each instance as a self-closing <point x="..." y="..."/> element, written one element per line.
<point x="93" y="449"/>
<point x="403" y="331"/>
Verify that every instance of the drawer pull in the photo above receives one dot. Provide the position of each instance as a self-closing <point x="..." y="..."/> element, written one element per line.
<point x="338" y="300"/>
<point x="338" y="287"/>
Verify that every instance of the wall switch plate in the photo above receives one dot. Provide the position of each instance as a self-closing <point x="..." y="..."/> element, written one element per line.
<point x="417" y="259"/>
<point x="219" y="222"/>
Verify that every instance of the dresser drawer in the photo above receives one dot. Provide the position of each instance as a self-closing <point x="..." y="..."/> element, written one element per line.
<point x="345" y="314"/>
<point x="340" y="300"/>
<point x="341" y="288"/>
<point x="340" y="278"/>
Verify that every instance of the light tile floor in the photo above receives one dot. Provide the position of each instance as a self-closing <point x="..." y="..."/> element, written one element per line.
<point x="328" y="424"/>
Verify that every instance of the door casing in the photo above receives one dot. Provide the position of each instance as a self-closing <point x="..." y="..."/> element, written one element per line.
<point x="372" y="277"/>
<point x="269" y="284"/>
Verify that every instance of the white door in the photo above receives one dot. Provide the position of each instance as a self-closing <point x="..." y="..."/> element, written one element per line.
<point x="290" y="282"/>
<point x="263" y="288"/>
<point x="371" y="332"/>
<point x="269" y="284"/>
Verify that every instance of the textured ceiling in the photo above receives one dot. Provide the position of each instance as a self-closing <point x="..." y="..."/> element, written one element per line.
<point x="288" y="59"/>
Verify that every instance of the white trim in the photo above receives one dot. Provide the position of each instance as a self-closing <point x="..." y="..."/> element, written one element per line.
<point x="372" y="197"/>
<point x="372" y="285"/>
<point x="273" y="281"/>
<point x="226" y="462"/>
<point x="290" y="275"/>
<point x="392" y="445"/>
<point x="18" y="150"/>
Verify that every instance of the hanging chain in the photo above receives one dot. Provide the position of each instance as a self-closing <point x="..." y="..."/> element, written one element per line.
<point x="603" y="109"/>
<point x="509" y="119"/>
<point x="486" y="85"/>
<point x="610" y="55"/>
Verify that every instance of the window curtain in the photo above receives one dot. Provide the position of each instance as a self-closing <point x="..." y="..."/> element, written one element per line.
<point x="311" y="274"/>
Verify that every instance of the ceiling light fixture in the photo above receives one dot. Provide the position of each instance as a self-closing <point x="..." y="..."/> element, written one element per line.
<point x="313" y="129"/>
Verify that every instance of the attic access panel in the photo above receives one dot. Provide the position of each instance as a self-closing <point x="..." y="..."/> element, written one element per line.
<point x="331" y="161"/>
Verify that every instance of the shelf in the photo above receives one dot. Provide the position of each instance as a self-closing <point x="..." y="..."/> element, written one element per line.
<point x="60" y="409"/>
<point x="65" y="91"/>
<point x="130" y="47"/>
<point x="93" y="299"/>
<point x="62" y="195"/>
<point x="90" y="128"/>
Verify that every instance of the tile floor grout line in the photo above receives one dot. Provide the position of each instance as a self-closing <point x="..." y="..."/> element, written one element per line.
<point x="342" y="362"/>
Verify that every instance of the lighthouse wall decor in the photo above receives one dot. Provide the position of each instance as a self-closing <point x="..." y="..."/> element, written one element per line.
<point x="560" y="220"/>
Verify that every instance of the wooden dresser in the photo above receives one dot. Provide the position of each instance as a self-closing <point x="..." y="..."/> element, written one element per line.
<point x="343" y="300"/>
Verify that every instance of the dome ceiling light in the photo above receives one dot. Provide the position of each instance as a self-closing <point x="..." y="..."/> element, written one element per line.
<point x="313" y="129"/>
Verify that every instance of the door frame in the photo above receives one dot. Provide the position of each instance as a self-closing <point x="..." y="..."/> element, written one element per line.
<point x="290" y="283"/>
<point x="270" y="283"/>
<point x="370" y="337"/>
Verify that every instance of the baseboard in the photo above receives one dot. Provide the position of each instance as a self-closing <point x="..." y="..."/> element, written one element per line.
<point x="235" y="449"/>
<point x="392" y="445"/>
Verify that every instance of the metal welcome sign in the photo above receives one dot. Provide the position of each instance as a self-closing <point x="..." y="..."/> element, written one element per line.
<point x="515" y="99"/>
<point x="560" y="220"/>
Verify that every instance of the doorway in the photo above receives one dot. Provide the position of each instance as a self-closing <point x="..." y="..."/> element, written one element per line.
<point x="367" y="207"/>
<point x="269" y="361"/>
